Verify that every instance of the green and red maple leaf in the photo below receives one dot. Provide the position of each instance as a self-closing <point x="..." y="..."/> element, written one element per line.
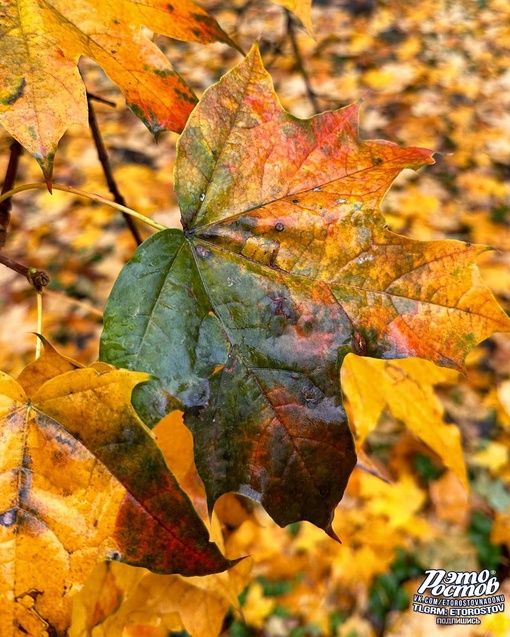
<point x="284" y="265"/>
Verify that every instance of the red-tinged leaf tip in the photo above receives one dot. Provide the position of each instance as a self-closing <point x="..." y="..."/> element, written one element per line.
<point x="46" y="164"/>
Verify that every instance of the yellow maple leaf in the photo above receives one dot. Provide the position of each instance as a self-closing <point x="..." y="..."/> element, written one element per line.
<point x="450" y="499"/>
<point x="82" y="480"/>
<point x="406" y="389"/>
<point x="257" y="607"/>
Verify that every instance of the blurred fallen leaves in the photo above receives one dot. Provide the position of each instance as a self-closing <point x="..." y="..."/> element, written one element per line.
<point x="453" y="96"/>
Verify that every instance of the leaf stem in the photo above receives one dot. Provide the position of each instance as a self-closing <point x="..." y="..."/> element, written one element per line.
<point x="102" y="155"/>
<point x="86" y="195"/>
<point x="38" y="342"/>
<point x="10" y="178"/>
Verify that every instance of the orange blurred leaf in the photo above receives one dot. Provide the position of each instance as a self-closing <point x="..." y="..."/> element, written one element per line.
<point x="42" y="92"/>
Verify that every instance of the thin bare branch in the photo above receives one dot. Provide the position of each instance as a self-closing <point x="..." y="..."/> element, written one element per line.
<point x="37" y="278"/>
<point x="299" y="61"/>
<point x="105" y="163"/>
<point x="10" y="178"/>
<point x="90" y="309"/>
<point x="101" y="100"/>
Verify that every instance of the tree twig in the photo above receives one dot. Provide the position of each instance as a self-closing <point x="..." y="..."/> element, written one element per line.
<point x="102" y="100"/>
<point x="90" y="309"/>
<point x="37" y="278"/>
<point x="10" y="178"/>
<point x="299" y="60"/>
<point x="105" y="163"/>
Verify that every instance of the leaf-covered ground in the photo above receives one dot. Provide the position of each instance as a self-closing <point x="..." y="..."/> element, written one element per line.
<point x="434" y="75"/>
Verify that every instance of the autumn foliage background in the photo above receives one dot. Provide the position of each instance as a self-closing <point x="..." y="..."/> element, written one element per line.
<point x="436" y="75"/>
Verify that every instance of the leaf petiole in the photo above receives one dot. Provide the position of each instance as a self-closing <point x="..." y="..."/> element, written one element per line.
<point x="86" y="195"/>
<point x="38" y="343"/>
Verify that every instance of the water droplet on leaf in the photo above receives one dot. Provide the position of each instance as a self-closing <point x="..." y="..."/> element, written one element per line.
<point x="202" y="252"/>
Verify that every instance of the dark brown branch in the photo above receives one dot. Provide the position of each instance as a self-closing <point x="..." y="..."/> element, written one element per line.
<point x="299" y="60"/>
<point x="98" y="98"/>
<point x="37" y="278"/>
<point x="10" y="178"/>
<point x="105" y="163"/>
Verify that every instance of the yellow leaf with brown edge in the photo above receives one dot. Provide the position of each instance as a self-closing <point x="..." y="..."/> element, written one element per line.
<point x="81" y="480"/>
<point x="405" y="388"/>
<point x="42" y="92"/>
<point x="197" y="605"/>
<point x="200" y="603"/>
<point x="49" y="364"/>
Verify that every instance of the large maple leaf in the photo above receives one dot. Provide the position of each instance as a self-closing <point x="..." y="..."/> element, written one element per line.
<point x="41" y="90"/>
<point x="284" y="266"/>
<point x="83" y="480"/>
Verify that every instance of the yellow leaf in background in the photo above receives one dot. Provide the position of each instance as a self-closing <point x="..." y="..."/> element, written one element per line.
<point x="302" y="9"/>
<point x="450" y="499"/>
<point x="405" y="388"/>
<point x="411" y="624"/>
<point x="356" y="625"/>
<point x="176" y="442"/>
<point x="89" y="610"/>
<point x="398" y="502"/>
<point x="256" y="606"/>
<point x="504" y="395"/>
<point x="271" y="546"/>
<point x="494" y="457"/>
<point x="391" y="78"/>
<point x="418" y="204"/>
<point x="495" y="268"/>
<point x="197" y="605"/>
<point x="500" y="532"/>
<point x="497" y="625"/>
<point x="355" y="566"/>
<point x="314" y="601"/>
<point x="233" y="509"/>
